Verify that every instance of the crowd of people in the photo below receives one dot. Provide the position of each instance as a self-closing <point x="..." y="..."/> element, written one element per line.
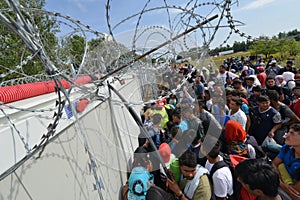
<point x="235" y="126"/>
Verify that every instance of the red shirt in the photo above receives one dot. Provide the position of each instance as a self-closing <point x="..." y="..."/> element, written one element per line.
<point x="262" y="77"/>
<point x="295" y="107"/>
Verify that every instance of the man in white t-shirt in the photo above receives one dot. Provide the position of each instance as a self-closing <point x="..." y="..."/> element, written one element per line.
<point x="235" y="112"/>
<point x="222" y="179"/>
<point x="223" y="74"/>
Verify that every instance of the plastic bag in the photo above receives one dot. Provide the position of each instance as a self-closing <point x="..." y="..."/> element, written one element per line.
<point x="268" y="141"/>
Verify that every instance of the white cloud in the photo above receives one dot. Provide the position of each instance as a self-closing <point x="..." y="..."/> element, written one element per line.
<point x="257" y="4"/>
<point x="82" y="5"/>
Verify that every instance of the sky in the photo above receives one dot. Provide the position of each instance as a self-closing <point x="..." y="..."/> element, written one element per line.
<point x="260" y="17"/>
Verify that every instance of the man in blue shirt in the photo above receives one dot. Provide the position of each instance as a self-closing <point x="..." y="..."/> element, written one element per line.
<point x="179" y="121"/>
<point x="290" y="156"/>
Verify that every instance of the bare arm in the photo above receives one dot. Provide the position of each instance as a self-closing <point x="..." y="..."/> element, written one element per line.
<point x="275" y="128"/>
<point x="173" y="186"/>
<point x="248" y="123"/>
<point x="276" y="162"/>
<point x="293" y="119"/>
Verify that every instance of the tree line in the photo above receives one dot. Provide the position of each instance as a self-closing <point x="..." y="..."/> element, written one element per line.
<point x="70" y="50"/>
<point x="286" y="44"/>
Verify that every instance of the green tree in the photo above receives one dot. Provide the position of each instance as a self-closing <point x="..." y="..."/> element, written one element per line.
<point x="239" y="46"/>
<point x="264" y="46"/>
<point x="76" y="45"/>
<point x="13" y="49"/>
<point x="293" y="47"/>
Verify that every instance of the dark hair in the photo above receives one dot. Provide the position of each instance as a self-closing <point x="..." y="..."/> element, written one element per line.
<point x="237" y="81"/>
<point x="270" y="77"/>
<point x="207" y="92"/>
<point x="263" y="98"/>
<point x="188" y="158"/>
<point x="222" y="66"/>
<point x="258" y="175"/>
<point x="228" y="92"/>
<point x="295" y="88"/>
<point x="175" y="130"/>
<point x="250" y="78"/>
<point x="238" y="101"/>
<point x="295" y="127"/>
<point x="170" y="125"/>
<point x="156" y="118"/>
<point x="257" y="88"/>
<point x="236" y="93"/>
<point x="211" y="145"/>
<point x="214" y="152"/>
<point x="177" y="112"/>
<point x="201" y="104"/>
<point x="273" y="95"/>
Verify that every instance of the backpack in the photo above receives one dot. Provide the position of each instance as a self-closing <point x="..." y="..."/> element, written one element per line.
<point x="230" y="161"/>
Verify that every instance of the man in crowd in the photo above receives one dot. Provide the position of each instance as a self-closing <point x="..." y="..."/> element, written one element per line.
<point x="223" y="74"/>
<point x="287" y="163"/>
<point x="222" y="179"/>
<point x="235" y="112"/>
<point x="194" y="183"/>
<point x="259" y="179"/>
<point x="265" y="120"/>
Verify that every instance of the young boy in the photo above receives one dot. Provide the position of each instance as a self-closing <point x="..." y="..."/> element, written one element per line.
<point x="289" y="156"/>
<point x="258" y="178"/>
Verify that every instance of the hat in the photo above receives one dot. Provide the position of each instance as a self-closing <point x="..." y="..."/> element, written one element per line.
<point x="138" y="183"/>
<point x="261" y="69"/>
<point x="261" y="64"/>
<point x="288" y="76"/>
<point x="160" y="104"/>
<point x="273" y="62"/>
<point x="233" y="70"/>
<point x="165" y="152"/>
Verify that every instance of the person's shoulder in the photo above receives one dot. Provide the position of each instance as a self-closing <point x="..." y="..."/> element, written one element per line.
<point x="273" y="110"/>
<point x="222" y="172"/>
<point x="241" y="112"/>
<point x="286" y="148"/>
